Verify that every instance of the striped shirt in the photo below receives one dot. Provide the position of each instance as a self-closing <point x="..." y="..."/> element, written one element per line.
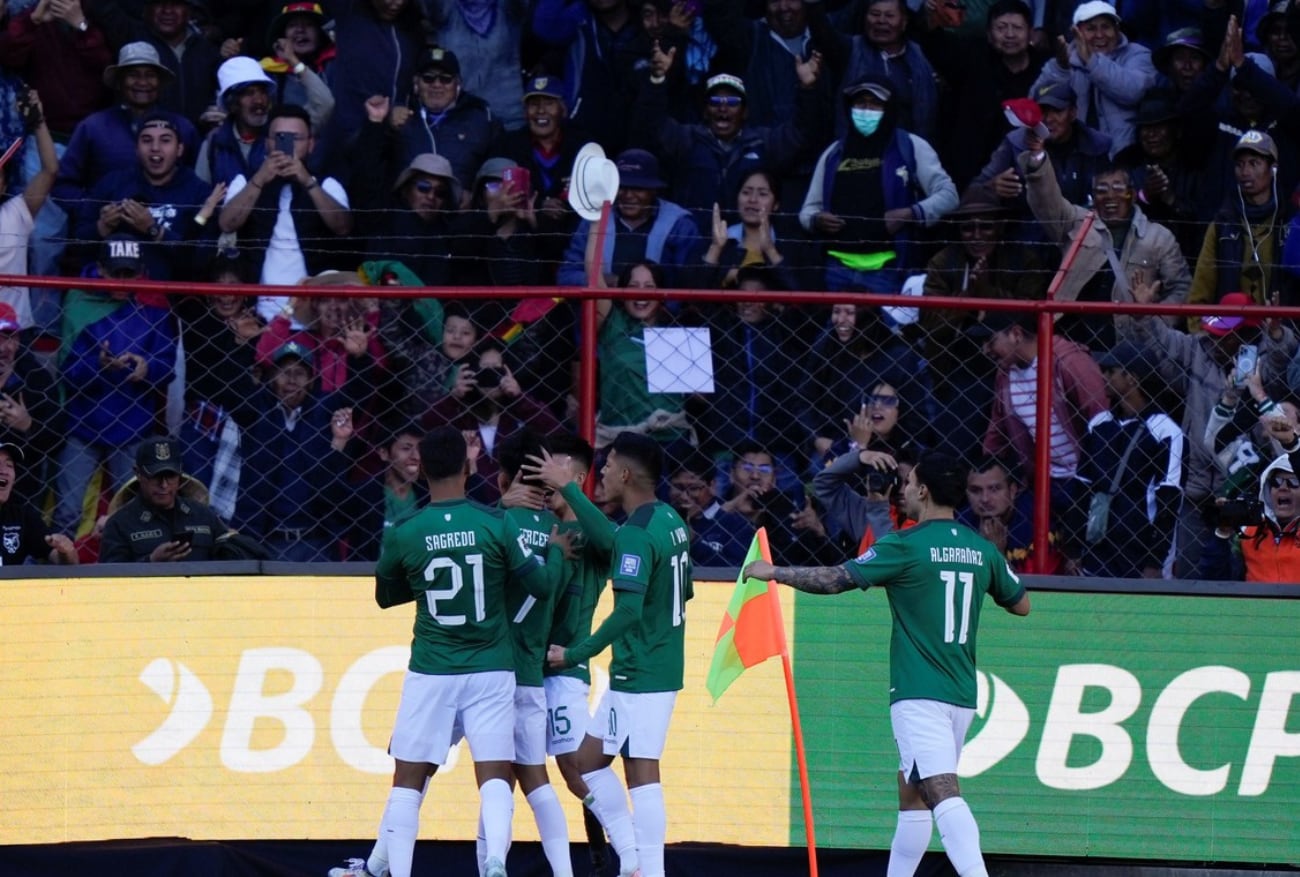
<point x="1024" y="402"/>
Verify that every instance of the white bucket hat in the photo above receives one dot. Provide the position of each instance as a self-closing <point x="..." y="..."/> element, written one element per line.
<point x="594" y="181"/>
<point x="239" y="71"/>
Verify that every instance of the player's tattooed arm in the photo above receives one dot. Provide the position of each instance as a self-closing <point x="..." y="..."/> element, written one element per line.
<point x="815" y="579"/>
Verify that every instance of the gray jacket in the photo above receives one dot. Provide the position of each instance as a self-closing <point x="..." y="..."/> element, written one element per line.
<point x="848" y="512"/>
<point x="1114" y="82"/>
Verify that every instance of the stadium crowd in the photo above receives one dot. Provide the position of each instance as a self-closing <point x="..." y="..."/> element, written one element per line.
<point x="920" y="147"/>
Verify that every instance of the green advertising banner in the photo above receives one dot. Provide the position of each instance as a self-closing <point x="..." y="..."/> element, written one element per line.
<point x="1109" y="725"/>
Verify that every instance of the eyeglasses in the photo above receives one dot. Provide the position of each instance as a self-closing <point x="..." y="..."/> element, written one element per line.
<point x="886" y="400"/>
<point x="428" y="187"/>
<point x="439" y="78"/>
<point x="688" y="488"/>
<point x="725" y="100"/>
<point x="1289" y="481"/>
<point x="1108" y="188"/>
<point x="761" y="468"/>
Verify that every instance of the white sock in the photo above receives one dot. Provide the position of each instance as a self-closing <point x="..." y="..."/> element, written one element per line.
<point x="480" y="845"/>
<point x="960" y="836"/>
<point x="377" y="863"/>
<point x="496" y="809"/>
<point x="401" y="825"/>
<point x="911" y="837"/>
<point x="552" y="828"/>
<point x="651" y="824"/>
<point x="609" y="802"/>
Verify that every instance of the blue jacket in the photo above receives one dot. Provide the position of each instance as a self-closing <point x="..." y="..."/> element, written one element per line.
<point x="173" y="206"/>
<point x="102" y="143"/>
<point x="721" y="539"/>
<point x="673" y="241"/>
<point x="225" y="157"/>
<point x="103" y="407"/>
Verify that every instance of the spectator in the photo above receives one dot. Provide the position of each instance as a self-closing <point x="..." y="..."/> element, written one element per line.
<point x="19" y="212"/>
<point x="1279" y="45"/>
<point x="1122" y="248"/>
<point x="626" y="402"/>
<point x="428" y="344"/>
<point x="497" y="237"/>
<point x="161" y="523"/>
<point x="1078" y="395"/>
<point x="981" y="76"/>
<point x="1130" y="477"/>
<point x="301" y="53"/>
<point x="24" y="538"/>
<point x="795" y="531"/>
<point x="1257" y="542"/>
<point x="604" y="46"/>
<point x="446" y="119"/>
<point x="106" y="141"/>
<point x="30" y="414"/>
<point x="718" y="538"/>
<point x="872" y="189"/>
<point x="1003" y="513"/>
<point x="238" y="145"/>
<point x="286" y="210"/>
<point x="120" y="356"/>
<point x="1244" y="245"/>
<point x="985" y="262"/>
<point x="762" y="237"/>
<point x="375" y="504"/>
<point x="1243" y="430"/>
<point x="882" y="50"/>
<point x="854" y="518"/>
<point x="157" y="201"/>
<point x="1164" y="173"/>
<point x="1181" y="59"/>
<point x="186" y="54"/>
<point x="1077" y="152"/>
<point x="644" y="227"/>
<point x="1200" y="365"/>
<point x="489" y="43"/>
<point x="709" y="160"/>
<point x="292" y="439"/>
<point x="1105" y="71"/>
<point x="410" y="220"/>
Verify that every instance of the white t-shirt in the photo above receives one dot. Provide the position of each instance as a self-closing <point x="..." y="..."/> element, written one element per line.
<point x="16" y="224"/>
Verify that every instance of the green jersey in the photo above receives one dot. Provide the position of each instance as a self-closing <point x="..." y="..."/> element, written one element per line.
<point x="530" y="615"/>
<point x="583" y="578"/>
<point x="453" y="559"/>
<point x="935" y="575"/>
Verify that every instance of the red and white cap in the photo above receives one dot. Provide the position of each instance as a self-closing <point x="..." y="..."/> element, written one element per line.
<point x="8" y="318"/>
<point x="1023" y="112"/>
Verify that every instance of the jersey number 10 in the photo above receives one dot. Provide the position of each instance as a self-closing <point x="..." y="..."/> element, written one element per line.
<point x="950" y="581"/>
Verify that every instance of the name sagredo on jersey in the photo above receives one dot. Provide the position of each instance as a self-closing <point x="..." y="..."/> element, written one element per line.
<point x="456" y="539"/>
<point x="956" y="554"/>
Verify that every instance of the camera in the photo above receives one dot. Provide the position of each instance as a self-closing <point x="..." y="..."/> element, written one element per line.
<point x="1240" y="511"/>
<point x="489" y="378"/>
<point x="882" y="481"/>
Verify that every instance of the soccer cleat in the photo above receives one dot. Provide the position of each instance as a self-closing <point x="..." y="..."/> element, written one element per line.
<point x="354" y="868"/>
<point x="494" y="868"/>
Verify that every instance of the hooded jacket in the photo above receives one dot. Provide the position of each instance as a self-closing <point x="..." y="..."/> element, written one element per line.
<point x="1269" y="550"/>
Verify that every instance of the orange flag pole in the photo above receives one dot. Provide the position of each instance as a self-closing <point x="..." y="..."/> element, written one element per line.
<point x="800" y="754"/>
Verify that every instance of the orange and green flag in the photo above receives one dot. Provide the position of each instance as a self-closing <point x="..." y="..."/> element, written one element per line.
<point x="752" y="630"/>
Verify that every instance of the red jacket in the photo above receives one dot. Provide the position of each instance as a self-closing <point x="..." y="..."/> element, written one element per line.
<point x="63" y="64"/>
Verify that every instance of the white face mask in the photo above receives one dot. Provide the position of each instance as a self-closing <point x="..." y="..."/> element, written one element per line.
<point x="866" y="121"/>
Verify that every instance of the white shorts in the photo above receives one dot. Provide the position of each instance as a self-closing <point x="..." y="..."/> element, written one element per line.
<point x="567" y="713"/>
<point x="929" y="735"/>
<point x="435" y="712"/>
<point x="634" y="725"/>
<point x="530" y="724"/>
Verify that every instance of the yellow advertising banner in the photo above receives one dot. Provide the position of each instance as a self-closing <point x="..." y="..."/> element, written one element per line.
<point x="260" y="708"/>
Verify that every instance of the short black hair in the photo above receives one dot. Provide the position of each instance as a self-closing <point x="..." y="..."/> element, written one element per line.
<point x="455" y="309"/>
<point x="515" y="449"/>
<point x="761" y="273"/>
<point x="395" y="430"/>
<point x="990" y="462"/>
<point x="574" y="446"/>
<point x="749" y="446"/>
<point x="695" y="462"/>
<point x="642" y="451"/>
<point x="443" y="453"/>
<point x="944" y="476"/>
<point x="290" y="111"/>
<point x="1009" y="7"/>
<point x="656" y="271"/>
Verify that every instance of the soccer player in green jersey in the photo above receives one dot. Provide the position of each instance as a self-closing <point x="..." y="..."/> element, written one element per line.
<point x="650" y="571"/>
<point x="452" y="559"/>
<point x="935" y="575"/>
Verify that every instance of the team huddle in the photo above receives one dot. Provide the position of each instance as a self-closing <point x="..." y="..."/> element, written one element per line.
<point x="505" y="599"/>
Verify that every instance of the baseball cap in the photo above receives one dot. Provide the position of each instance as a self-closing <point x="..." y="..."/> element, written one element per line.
<point x="1058" y="96"/>
<point x="13" y="450"/>
<point x="439" y="58"/>
<point x="1094" y="9"/>
<point x="1257" y="142"/>
<point x="544" y="86"/>
<point x="882" y="89"/>
<point x="292" y="349"/>
<point x="1184" y="37"/>
<point x="638" y="169"/>
<point x="121" y="253"/>
<point x="8" y="318"/>
<point x="1130" y="356"/>
<point x="1223" y="325"/>
<point x="725" y="80"/>
<point x="157" y="455"/>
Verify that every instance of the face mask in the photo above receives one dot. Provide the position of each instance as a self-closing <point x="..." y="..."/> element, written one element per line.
<point x="866" y="121"/>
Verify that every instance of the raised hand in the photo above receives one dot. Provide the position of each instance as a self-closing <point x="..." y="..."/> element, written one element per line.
<point x="808" y="71"/>
<point x="1081" y="47"/>
<point x="1143" y="292"/>
<point x="377" y="108"/>
<point x="718" y="227"/>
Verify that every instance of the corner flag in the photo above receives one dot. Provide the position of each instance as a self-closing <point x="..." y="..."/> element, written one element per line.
<point x="752" y="630"/>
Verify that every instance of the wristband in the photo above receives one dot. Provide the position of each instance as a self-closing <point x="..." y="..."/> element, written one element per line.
<point x="311" y="184"/>
<point x="299" y="68"/>
<point x="84" y="26"/>
<point x="200" y="219"/>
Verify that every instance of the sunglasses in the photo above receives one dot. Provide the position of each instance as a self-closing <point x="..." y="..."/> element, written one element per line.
<point x="1108" y="188"/>
<point x="761" y="468"/>
<point x="427" y="187"/>
<point x="883" y="399"/>
<point x="725" y="100"/>
<point x="1289" y="481"/>
<point x="440" y="78"/>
